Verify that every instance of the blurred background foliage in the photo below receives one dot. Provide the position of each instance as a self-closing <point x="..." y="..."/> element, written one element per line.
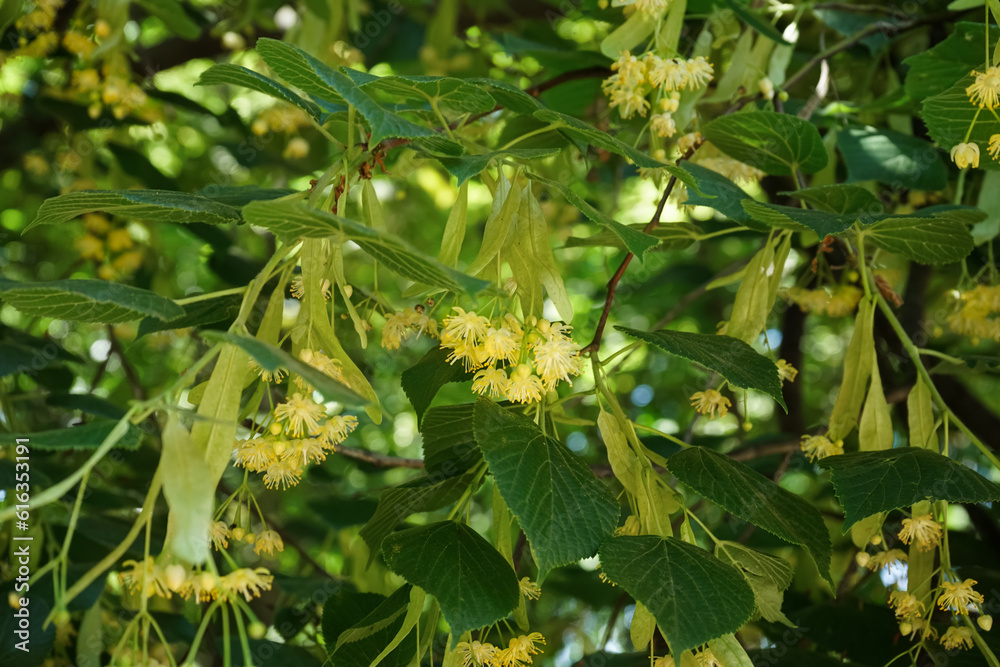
<point x="112" y="103"/>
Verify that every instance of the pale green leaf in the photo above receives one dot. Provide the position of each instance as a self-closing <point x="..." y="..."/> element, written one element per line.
<point x="190" y="493"/>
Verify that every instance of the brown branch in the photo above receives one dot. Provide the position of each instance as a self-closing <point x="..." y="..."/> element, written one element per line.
<point x="130" y="374"/>
<point x="379" y="460"/>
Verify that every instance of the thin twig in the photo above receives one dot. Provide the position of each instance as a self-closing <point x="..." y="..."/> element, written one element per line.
<point x="379" y="460"/>
<point x="133" y="378"/>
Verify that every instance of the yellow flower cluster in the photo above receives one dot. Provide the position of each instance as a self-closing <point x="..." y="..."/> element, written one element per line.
<point x="888" y="558"/>
<point x="906" y="606"/>
<point x="148" y="578"/>
<point x="264" y="543"/>
<point x="519" y="652"/>
<point x="110" y="247"/>
<point x="957" y="638"/>
<point x="409" y="321"/>
<point x="635" y="78"/>
<point x="979" y="314"/>
<point x="540" y="354"/>
<point x="837" y="301"/>
<point x="819" y="447"/>
<point x="40" y="18"/>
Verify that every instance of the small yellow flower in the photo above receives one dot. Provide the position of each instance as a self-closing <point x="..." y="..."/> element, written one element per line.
<point x="707" y="659"/>
<point x="924" y="531"/>
<point x="492" y="381"/>
<point x="296" y="149"/>
<point x="336" y="429"/>
<point x="906" y="605"/>
<point x="282" y="474"/>
<point x="255" y="454"/>
<point x="819" y="447"/>
<point x="886" y="559"/>
<point x="500" y="345"/>
<point x="324" y="364"/>
<point x="395" y="331"/>
<point x="275" y="376"/>
<point x="786" y="372"/>
<point x="957" y="638"/>
<point x="301" y="414"/>
<point x="710" y="402"/>
<point x="465" y="326"/>
<point x="958" y="595"/>
<point x="247" y="582"/>
<point x="556" y="360"/>
<point x="268" y="542"/>
<point x="219" y="532"/>
<point x="664" y="125"/>
<point x="965" y="155"/>
<point x="468" y="352"/>
<point x="304" y="451"/>
<point x="524" y="386"/>
<point x="994" y="147"/>
<point x="90" y="247"/>
<point x="477" y="653"/>
<point x="145" y="576"/>
<point x="529" y="589"/>
<point x="203" y="586"/>
<point x="985" y="90"/>
<point x="651" y="6"/>
<point x="664" y="661"/>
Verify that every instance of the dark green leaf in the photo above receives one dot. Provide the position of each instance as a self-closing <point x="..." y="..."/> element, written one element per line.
<point x="767" y="575"/>
<point x="899" y="160"/>
<point x="745" y="493"/>
<point x="87" y="301"/>
<point x="669" y="236"/>
<point x="472" y="582"/>
<point x="445" y="92"/>
<point x="236" y="75"/>
<point x="423" y="494"/>
<point x="197" y="314"/>
<point x="448" y="440"/>
<point x="87" y="403"/>
<point x="508" y="96"/>
<point x="722" y="194"/>
<point x="789" y="217"/>
<point x="292" y="220"/>
<point x="693" y="596"/>
<point x="239" y="196"/>
<point x="731" y="358"/>
<point x="924" y="240"/>
<point x="158" y="205"/>
<point x="635" y="240"/>
<point x="949" y="115"/>
<point x="563" y="509"/>
<point x="871" y="482"/>
<point x="85" y="436"/>
<point x="840" y="198"/>
<point x="422" y="381"/>
<point x="357" y="626"/>
<point x="300" y="69"/>
<point x="939" y="67"/>
<point x="272" y="358"/>
<point x="772" y="142"/>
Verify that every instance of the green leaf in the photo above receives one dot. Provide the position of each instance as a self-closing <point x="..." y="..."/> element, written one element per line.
<point x="86" y="403"/>
<point x="239" y="196"/>
<point x="292" y="220"/>
<point x="563" y="509"/>
<point x="939" y="67"/>
<point x="172" y="13"/>
<point x="745" y="493"/>
<point x="924" y="240"/>
<point x="899" y="160"/>
<point x="757" y="22"/>
<point x="799" y="219"/>
<point x="465" y="167"/>
<point x="472" y="582"/>
<point x="300" y="69"/>
<point x="157" y="205"/>
<point x="445" y="92"/>
<point x="272" y="358"/>
<point x="422" y="381"/>
<point x="449" y="442"/>
<point x="87" y="301"/>
<point x="508" y="96"/>
<point x="840" y="198"/>
<point x="772" y="142"/>
<point x="197" y="314"/>
<point x="722" y="194"/>
<point x="590" y="135"/>
<point x="669" y="236"/>
<point x="872" y="482"/>
<point x="733" y="359"/>
<point x="767" y="575"/>
<point x="422" y="494"/>
<point x="237" y="75"/>
<point x="948" y="116"/>
<point x="357" y="626"/>
<point x="637" y="241"/>
<point x="82" y="437"/>
<point x="693" y="596"/>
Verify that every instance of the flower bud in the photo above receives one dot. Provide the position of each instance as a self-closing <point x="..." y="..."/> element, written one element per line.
<point x="862" y="558"/>
<point x="985" y="622"/>
<point x="175" y="575"/>
<point x="257" y="630"/>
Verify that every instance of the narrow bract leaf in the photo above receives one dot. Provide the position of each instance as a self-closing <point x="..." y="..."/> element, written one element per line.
<point x="693" y="596"/>
<point x="87" y="301"/>
<point x="731" y="358"/>
<point x="472" y="582"/>
<point x="858" y="363"/>
<point x="563" y="509"/>
<point x="190" y="493"/>
<point x="744" y="492"/>
<point x="871" y="482"/>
